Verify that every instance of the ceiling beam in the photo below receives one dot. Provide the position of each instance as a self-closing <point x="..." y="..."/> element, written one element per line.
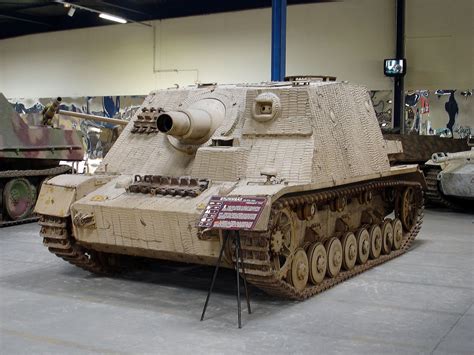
<point x="26" y="7"/>
<point x="80" y="7"/>
<point x="24" y="19"/>
<point x="123" y="8"/>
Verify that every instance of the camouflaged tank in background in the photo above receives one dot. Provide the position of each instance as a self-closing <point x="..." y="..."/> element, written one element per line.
<point x="28" y="155"/>
<point x="313" y="150"/>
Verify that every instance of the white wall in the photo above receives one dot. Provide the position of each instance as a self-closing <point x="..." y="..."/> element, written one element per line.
<point x="440" y="44"/>
<point x="82" y="62"/>
<point x="348" y="39"/>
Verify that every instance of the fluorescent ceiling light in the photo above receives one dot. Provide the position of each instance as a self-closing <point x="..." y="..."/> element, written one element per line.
<point x="112" y="18"/>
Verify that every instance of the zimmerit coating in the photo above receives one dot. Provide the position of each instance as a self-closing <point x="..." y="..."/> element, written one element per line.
<point x="313" y="153"/>
<point x="312" y="127"/>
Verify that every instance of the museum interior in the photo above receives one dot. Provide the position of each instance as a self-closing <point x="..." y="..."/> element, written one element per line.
<point x="237" y="177"/>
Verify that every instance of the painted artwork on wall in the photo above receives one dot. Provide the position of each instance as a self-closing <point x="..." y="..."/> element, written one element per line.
<point x="441" y="112"/>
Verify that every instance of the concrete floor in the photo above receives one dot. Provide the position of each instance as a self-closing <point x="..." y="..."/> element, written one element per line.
<point x="421" y="302"/>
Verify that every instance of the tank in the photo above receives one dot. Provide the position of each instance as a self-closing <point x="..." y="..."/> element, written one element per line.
<point x="28" y="155"/>
<point x="313" y="152"/>
<point x="450" y="180"/>
<point x="418" y="149"/>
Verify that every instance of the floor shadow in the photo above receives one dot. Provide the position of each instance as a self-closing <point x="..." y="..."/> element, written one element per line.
<point x="418" y="243"/>
<point x="192" y="277"/>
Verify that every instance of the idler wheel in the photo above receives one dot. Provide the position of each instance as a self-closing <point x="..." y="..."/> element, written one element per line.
<point x="299" y="273"/>
<point x="317" y="258"/>
<point x="349" y="247"/>
<point x="363" y="245"/>
<point x="19" y="197"/>
<point x="387" y="236"/>
<point x="408" y="208"/>
<point x="375" y="241"/>
<point x="334" y="251"/>
<point x="397" y="234"/>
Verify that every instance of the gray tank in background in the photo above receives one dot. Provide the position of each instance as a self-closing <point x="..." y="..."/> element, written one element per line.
<point x="450" y="179"/>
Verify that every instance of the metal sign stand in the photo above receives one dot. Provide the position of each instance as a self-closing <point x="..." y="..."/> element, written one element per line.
<point x="234" y="235"/>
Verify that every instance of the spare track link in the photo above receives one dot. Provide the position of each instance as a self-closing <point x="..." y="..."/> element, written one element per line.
<point x="256" y="254"/>
<point x="59" y="241"/>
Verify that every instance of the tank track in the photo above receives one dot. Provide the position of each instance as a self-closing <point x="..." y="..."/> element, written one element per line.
<point x="11" y="174"/>
<point x="433" y="194"/>
<point x="256" y="246"/>
<point x="62" y="169"/>
<point x="57" y="237"/>
<point x="21" y="221"/>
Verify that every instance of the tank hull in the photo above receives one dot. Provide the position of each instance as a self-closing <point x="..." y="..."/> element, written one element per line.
<point x="152" y="228"/>
<point x="459" y="182"/>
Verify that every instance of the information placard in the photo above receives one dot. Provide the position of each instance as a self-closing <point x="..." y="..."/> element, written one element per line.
<point x="232" y="212"/>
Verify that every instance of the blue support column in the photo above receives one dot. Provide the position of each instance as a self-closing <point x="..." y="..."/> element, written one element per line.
<point x="278" y="39"/>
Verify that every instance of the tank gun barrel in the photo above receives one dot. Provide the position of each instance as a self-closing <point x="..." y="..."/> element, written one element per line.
<point x="194" y="125"/>
<point x="93" y="117"/>
<point x="441" y="157"/>
<point x="50" y="110"/>
<point x="174" y="123"/>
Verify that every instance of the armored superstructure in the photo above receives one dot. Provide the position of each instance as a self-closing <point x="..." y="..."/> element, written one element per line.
<point x="314" y="150"/>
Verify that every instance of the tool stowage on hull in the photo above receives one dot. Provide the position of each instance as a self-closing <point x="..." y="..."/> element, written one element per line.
<point x="334" y="205"/>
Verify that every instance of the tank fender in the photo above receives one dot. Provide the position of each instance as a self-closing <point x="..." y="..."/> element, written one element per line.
<point x="416" y="176"/>
<point x="272" y="192"/>
<point x="58" y="193"/>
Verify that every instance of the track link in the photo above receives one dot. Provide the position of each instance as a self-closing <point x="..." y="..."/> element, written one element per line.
<point x="256" y="245"/>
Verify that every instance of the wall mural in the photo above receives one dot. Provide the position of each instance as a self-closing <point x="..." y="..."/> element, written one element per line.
<point x="442" y="112"/>
<point x="382" y="101"/>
